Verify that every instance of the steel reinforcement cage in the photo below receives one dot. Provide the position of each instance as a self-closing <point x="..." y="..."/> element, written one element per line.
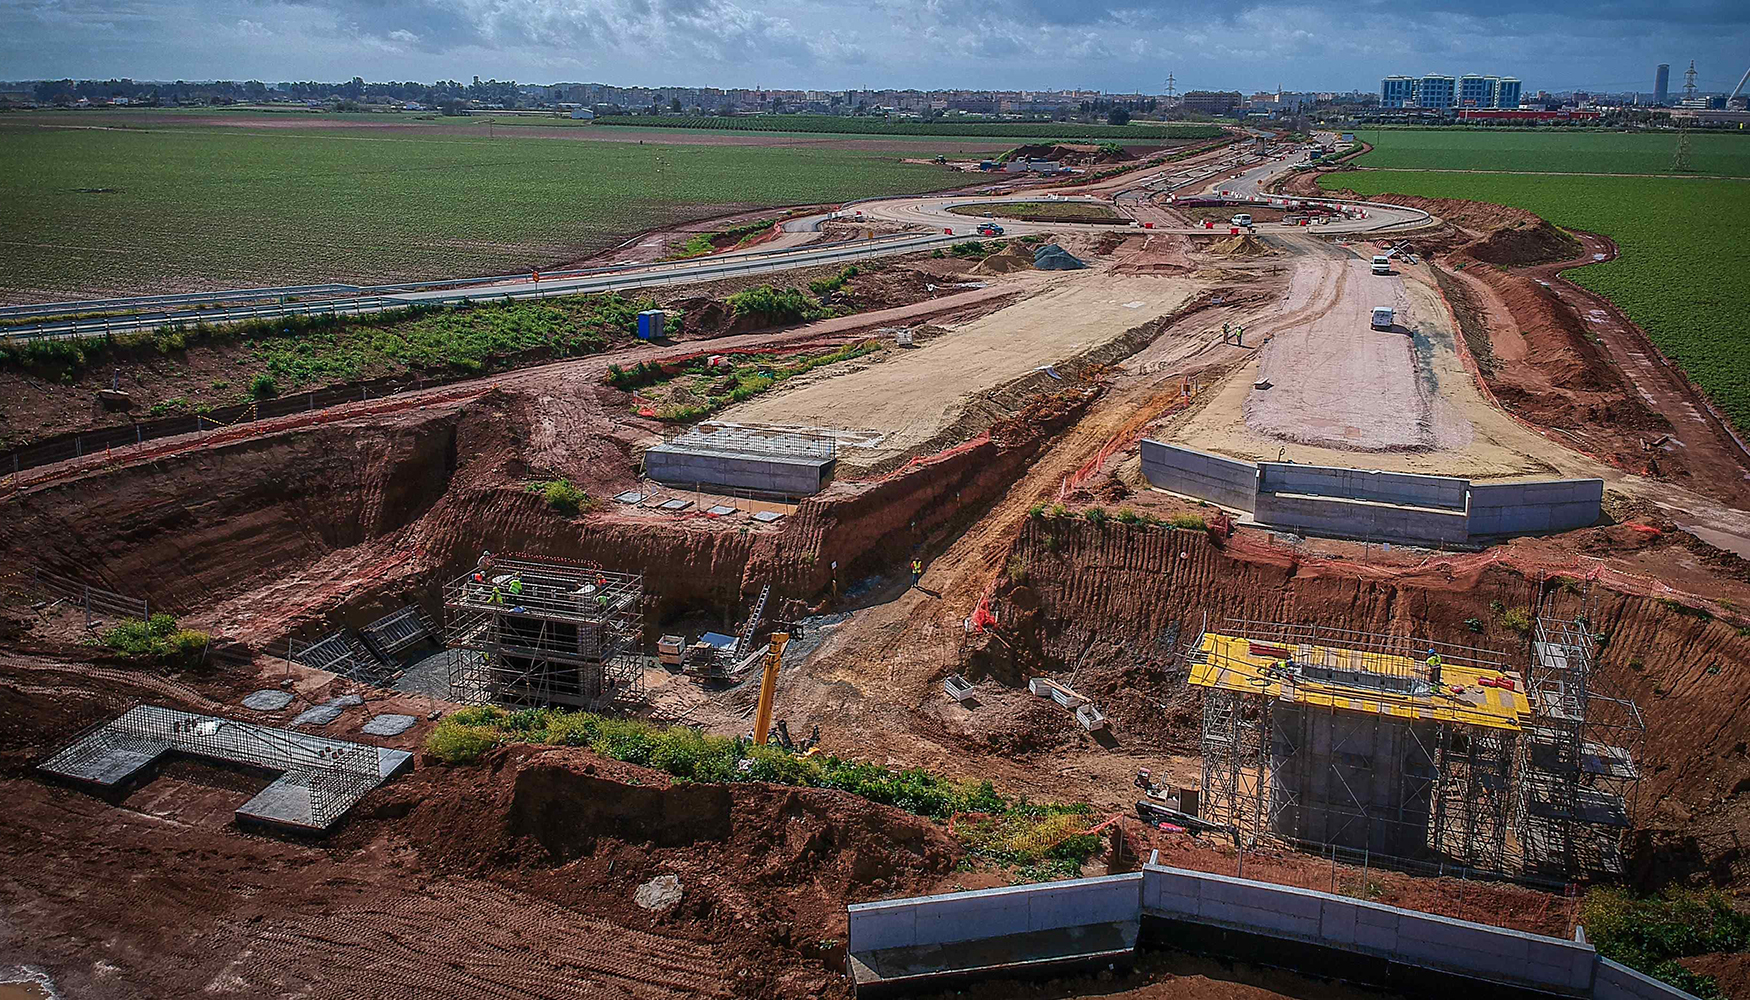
<point x="1309" y="775"/>
<point x="534" y="634"/>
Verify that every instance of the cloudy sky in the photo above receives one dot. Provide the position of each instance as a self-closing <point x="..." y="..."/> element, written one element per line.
<point x="827" y="44"/>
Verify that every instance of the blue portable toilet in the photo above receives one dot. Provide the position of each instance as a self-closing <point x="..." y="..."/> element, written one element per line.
<point x="651" y="323"/>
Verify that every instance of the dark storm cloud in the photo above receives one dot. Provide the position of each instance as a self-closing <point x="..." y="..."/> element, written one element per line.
<point x="1300" y="44"/>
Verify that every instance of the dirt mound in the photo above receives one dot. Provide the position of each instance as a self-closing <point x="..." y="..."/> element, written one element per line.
<point x="549" y="806"/>
<point x="1522" y="244"/>
<point x="1069" y="153"/>
<point x="1010" y="259"/>
<point x="1244" y="245"/>
<point x="1158" y="255"/>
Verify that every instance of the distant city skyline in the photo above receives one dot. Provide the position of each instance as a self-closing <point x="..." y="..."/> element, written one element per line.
<point x="1125" y="47"/>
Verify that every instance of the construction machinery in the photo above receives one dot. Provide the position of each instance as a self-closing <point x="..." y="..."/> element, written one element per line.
<point x="762" y="723"/>
<point x="762" y="720"/>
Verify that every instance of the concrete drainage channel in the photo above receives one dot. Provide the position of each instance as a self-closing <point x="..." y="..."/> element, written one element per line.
<point x="900" y="946"/>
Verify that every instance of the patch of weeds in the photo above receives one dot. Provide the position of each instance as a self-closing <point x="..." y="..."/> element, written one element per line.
<point x="157" y="638"/>
<point x="562" y="496"/>
<point x="1516" y="618"/>
<point x="1188" y="522"/>
<point x="1016" y="570"/>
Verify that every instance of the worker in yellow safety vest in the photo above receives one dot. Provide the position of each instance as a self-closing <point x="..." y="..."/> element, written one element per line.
<point x="516" y="586"/>
<point x="917" y="571"/>
<point x="1433" y="664"/>
<point x="497" y="595"/>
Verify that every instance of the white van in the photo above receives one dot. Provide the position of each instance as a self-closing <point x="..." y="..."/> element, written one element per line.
<point x="1242" y="219"/>
<point x="1383" y="317"/>
<point x="1381" y="264"/>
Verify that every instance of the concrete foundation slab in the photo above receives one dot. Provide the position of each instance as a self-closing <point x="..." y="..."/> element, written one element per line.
<point x="268" y="700"/>
<point x="328" y="711"/>
<point x="767" y="516"/>
<point x="387" y="725"/>
<point x="629" y="497"/>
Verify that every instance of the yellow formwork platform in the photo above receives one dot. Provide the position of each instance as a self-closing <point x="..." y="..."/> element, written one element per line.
<point x="1231" y="663"/>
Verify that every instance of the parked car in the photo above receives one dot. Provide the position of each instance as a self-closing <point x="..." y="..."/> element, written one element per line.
<point x="989" y="229"/>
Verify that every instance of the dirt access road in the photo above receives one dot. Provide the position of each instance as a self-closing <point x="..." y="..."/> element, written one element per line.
<point x="1342" y="393"/>
<point x="915" y="396"/>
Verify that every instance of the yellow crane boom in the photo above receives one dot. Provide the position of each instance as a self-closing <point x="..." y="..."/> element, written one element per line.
<point x="762" y="722"/>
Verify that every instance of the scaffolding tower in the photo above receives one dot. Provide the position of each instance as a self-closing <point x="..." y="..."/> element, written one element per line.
<point x="530" y="634"/>
<point x="1390" y="745"/>
<point x="1580" y="765"/>
<point x="1421" y="751"/>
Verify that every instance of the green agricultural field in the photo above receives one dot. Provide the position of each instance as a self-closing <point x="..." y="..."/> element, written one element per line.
<point x="1682" y="267"/>
<point x="1043" y="211"/>
<point x="834" y="125"/>
<point x="126" y="210"/>
<point x="1552" y="151"/>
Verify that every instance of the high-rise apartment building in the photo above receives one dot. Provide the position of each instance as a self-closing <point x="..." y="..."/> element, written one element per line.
<point x="1436" y="91"/>
<point x="1507" y="93"/>
<point x="1476" y="91"/>
<point x="1662" y="84"/>
<point x="1397" y="92"/>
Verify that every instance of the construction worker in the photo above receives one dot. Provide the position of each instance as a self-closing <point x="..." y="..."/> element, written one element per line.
<point x="1433" y="664"/>
<point x="917" y="571"/>
<point x="497" y="595"/>
<point x="516" y="585"/>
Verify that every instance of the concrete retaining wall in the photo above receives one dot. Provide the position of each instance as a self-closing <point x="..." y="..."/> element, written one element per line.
<point x="1358" y="503"/>
<point x="1513" y="508"/>
<point x="1619" y="982"/>
<point x="1343" y="518"/>
<point x="988" y="913"/>
<point x="1423" y="940"/>
<point x="1323" y="920"/>
<point x="1199" y="474"/>
<point x="1363" y="484"/>
<point x="763" y="474"/>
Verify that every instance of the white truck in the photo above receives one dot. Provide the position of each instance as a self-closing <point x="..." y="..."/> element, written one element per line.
<point x="1383" y="317"/>
<point x="1381" y="264"/>
<point x="1244" y="220"/>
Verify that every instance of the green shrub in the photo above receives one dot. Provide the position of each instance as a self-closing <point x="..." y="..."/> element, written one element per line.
<point x="157" y="638"/>
<point x="1095" y="515"/>
<point x="563" y="497"/>
<point x="1650" y="933"/>
<point x="1036" y="512"/>
<point x="456" y="743"/>
<point x="774" y="305"/>
<point x="1516" y="618"/>
<point x="1128" y="516"/>
<point x="1017" y="570"/>
<point x="264" y="386"/>
<point x="1189" y="522"/>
